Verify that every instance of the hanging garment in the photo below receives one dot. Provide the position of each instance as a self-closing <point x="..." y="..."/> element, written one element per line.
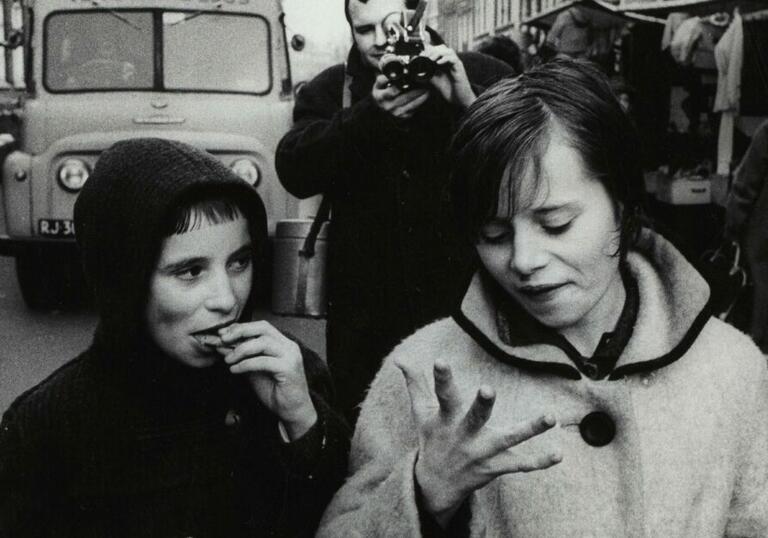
<point x="684" y="40"/>
<point x="729" y="58"/>
<point x="674" y="20"/>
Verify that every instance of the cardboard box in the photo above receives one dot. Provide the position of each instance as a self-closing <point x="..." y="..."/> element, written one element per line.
<point x="693" y="190"/>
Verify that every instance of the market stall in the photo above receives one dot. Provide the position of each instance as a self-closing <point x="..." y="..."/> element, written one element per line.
<point x="709" y="84"/>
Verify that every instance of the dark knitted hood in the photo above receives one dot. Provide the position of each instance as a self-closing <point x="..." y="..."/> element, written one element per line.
<point x="119" y="217"/>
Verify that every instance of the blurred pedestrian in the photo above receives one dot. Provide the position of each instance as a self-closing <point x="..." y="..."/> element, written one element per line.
<point x="505" y="49"/>
<point x="746" y="221"/>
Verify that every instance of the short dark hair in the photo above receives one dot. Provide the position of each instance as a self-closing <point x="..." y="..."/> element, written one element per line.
<point x="189" y="214"/>
<point x="346" y="8"/>
<point x="214" y="204"/>
<point x="503" y="48"/>
<point x="506" y="130"/>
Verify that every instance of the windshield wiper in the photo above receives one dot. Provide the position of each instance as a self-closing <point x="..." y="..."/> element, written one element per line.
<point x="115" y="14"/>
<point x="197" y="13"/>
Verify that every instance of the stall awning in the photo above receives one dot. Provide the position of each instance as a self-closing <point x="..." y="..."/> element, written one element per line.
<point x="661" y="8"/>
<point x="606" y="12"/>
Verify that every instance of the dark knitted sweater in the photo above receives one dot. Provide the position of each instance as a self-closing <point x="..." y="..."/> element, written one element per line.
<point x="123" y="440"/>
<point x="88" y="454"/>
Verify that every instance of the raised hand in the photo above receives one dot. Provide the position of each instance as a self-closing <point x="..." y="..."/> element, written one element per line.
<point x="450" y="79"/>
<point x="274" y="366"/>
<point x="400" y="104"/>
<point x="458" y="453"/>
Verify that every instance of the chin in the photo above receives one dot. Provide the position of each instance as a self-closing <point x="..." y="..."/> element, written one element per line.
<point x="195" y="360"/>
<point x="555" y="317"/>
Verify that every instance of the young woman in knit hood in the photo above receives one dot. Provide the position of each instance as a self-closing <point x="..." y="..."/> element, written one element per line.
<point x="183" y="418"/>
<point x="582" y="388"/>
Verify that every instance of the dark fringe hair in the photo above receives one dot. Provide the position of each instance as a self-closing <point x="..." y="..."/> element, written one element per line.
<point x="507" y="129"/>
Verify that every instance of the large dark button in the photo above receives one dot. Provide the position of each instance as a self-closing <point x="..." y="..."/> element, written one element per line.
<point x="597" y="429"/>
<point x="590" y="369"/>
<point x="232" y="420"/>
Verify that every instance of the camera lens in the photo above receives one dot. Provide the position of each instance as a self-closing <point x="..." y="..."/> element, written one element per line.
<point x="421" y="68"/>
<point x="392" y="67"/>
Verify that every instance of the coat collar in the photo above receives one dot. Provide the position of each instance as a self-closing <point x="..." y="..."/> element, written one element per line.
<point x="673" y="309"/>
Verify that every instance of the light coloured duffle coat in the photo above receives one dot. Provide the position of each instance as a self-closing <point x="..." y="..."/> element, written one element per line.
<point x="688" y="396"/>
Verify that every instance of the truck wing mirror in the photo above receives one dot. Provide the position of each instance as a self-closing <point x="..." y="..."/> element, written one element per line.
<point x="15" y="39"/>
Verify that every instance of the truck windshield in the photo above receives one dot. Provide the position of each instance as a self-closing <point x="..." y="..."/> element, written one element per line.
<point x="157" y="50"/>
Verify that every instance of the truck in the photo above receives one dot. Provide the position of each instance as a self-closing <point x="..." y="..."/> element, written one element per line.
<point x="83" y="74"/>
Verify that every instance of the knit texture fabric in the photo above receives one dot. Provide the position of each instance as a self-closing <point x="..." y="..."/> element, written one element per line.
<point x="119" y="215"/>
<point x="124" y="441"/>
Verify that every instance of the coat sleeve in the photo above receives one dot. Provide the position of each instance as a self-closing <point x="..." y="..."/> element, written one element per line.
<point x="749" y="181"/>
<point x="317" y="462"/>
<point x="748" y="516"/>
<point x="326" y="140"/>
<point x="379" y="496"/>
<point x="27" y="483"/>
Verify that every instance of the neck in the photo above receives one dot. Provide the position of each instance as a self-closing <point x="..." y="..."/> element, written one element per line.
<point x="586" y="333"/>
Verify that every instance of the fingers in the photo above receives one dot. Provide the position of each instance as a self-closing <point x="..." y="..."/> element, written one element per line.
<point x="445" y="389"/>
<point x="260" y="345"/>
<point x="422" y="399"/>
<point x="513" y="463"/>
<point x="407" y="110"/>
<point x="522" y="432"/>
<point x="480" y="411"/>
<point x="442" y="55"/>
<point x="239" y="331"/>
<point x="391" y="99"/>
<point x="260" y="364"/>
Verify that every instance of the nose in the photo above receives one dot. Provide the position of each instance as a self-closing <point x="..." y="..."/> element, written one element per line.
<point x="528" y="254"/>
<point x="221" y="294"/>
<point x="381" y="36"/>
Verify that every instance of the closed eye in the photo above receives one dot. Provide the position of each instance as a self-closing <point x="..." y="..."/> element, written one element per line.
<point x="558" y="228"/>
<point x="495" y="233"/>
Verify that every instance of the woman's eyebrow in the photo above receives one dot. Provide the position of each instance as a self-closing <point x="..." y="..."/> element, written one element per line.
<point x="245" y="249"/>
<point x="183" y="263"/>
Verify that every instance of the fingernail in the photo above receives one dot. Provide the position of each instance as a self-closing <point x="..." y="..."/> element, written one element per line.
<point x="486" y="392"/>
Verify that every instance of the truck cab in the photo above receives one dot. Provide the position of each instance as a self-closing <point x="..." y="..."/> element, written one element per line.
<point x="211" y="73"/>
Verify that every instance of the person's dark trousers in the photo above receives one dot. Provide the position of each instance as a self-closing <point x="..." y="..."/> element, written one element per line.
<point x="354" y="357"/>
<point x="758" y="265"/>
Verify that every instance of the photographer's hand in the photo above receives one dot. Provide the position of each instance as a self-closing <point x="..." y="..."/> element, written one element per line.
<point x="458" y="452"/>
<point x="450" y="80"/>
<point x="401" y="105"/>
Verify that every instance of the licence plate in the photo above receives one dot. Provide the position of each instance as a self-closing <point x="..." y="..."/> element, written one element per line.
<point x="56" y="227"/>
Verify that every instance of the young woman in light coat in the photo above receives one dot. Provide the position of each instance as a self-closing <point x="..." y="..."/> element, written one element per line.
<point x="583" y="352"/>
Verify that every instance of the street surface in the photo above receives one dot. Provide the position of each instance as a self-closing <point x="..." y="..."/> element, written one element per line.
<point x="33" y="344"/>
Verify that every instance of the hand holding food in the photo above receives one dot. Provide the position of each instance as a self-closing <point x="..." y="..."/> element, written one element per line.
<point x="275" y="369"/>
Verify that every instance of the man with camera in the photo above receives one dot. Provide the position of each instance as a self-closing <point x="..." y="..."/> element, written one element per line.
<point x="375" y="145"/>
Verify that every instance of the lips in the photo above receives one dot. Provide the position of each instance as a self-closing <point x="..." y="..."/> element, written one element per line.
<point x="210" y="337"/>
<point x="540" y="293"/>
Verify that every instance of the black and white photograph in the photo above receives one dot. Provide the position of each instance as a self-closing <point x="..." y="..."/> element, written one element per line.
<point x="384" y="268"/>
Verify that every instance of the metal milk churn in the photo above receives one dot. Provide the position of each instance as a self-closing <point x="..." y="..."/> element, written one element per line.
<point x="299" y="268"/>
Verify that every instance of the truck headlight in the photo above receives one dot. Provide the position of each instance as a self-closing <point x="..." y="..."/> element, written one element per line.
<point x="246" y="169"/>
<point x="73" y="173"/>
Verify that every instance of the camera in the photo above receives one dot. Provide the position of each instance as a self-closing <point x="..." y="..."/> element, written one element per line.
<point x="402" y="62"/>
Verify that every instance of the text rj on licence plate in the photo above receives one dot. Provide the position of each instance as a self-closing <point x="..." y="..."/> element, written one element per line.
<point x="56" y="227"/>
